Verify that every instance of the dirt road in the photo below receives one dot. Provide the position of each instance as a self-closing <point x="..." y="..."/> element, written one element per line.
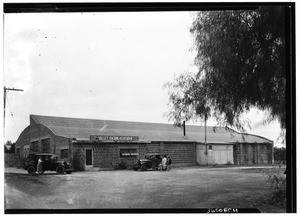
<point x="180" y="188"/>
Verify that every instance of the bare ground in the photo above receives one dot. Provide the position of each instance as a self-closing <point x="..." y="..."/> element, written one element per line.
<point x="185" y="188"/>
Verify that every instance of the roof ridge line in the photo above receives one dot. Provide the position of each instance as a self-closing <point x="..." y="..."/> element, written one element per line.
<point x="93" y="119"/>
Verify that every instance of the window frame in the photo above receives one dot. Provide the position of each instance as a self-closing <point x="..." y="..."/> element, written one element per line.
<point x="32" y="148"/>
<point x="67" y="151"/>
<point x="43" y="145"/>
<point x="129" y="152"/>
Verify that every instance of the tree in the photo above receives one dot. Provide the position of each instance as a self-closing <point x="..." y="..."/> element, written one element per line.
<point x="6" y="150"/>
<point x="280" y="155"/>
<point x="9" y="147"/>
<point x="241" y="64"/>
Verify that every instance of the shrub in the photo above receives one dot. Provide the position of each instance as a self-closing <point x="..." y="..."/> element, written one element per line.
<point x="77" y="164"/>
<point x="280" y="156"/>
<point x="277" y="187"/>
<point x="120" y="166"/>
<point x="228" y="163"/>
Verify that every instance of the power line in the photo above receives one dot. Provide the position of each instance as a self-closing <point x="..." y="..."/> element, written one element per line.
<point x="11" y="113"/>
<point x="6" y="89"/>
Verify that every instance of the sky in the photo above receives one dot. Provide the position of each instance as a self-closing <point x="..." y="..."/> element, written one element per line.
<point x="99" y="65"/>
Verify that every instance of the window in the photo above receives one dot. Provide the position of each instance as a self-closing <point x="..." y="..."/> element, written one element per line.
<point x="34" y="146"/>
<point x="45" y="143"/>
<point x="64" y="153"/>
<point x="128" y="152"/>
<point x="210" y="147"/>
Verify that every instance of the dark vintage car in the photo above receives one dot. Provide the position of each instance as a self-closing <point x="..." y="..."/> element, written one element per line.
<point x="151" y="161"/>
<point x="50" y="163"/>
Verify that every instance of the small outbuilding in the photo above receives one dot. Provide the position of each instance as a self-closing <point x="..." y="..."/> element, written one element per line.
<point x="100" y="144"/>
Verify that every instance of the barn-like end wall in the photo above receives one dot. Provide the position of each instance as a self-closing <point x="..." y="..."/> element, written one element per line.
<point x="34" y="133"/>
<point x="255" y="153"/>
<point x="39" y="134"/>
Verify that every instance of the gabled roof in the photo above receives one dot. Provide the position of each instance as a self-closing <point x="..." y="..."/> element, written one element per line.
<point x="82" y="129"/>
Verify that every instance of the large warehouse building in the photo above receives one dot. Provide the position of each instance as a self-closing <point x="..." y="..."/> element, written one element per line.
<point x="88" y="143"/>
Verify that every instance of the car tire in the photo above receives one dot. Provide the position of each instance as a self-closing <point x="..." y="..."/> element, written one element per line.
<point x="31" y="170"/>
<point x="144" y="167"/>
<point x="60" y="170"/>
<point x="135" y="168"/>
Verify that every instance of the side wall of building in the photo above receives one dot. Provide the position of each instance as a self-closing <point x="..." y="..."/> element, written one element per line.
<point x="255" y="153"/>
<point x="182" y="154"/>
<point x="106" y="155"/>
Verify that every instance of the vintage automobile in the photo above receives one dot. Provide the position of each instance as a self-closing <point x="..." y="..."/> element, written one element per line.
<point x="151" y="161"/>
<point x="50" y="163"/>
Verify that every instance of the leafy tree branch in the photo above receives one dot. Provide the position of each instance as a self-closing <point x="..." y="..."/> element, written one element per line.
<point x="241" y="64"/>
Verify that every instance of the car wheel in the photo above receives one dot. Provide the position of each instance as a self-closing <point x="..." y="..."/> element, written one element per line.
<point x="144" y="167"/>
<point x="135" y="168"/>
<point x="31" y="170"/>
<point x="60" y="170"/>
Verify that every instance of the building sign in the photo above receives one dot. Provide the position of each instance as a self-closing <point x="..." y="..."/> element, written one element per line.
<point x="113" y="138"/>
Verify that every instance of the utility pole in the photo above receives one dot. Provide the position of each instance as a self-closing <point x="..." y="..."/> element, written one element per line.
<point x="205" y="139"/>
<point x="6" y="89"/>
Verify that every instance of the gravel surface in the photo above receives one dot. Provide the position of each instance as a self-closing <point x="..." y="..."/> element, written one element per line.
<point x="191" y="187"/>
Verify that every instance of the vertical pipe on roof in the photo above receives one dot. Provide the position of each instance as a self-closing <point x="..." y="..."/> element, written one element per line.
<point x="183" y="128"/>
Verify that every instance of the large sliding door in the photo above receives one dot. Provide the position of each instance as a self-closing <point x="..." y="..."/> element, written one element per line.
<point x="216" y="154"/>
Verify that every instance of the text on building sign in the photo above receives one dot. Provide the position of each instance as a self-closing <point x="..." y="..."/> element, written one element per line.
<point x="113" y="138"/>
